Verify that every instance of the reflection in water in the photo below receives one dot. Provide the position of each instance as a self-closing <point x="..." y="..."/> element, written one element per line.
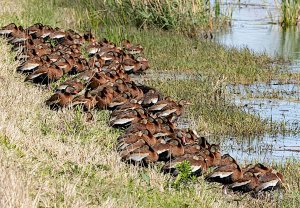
<point x="252" y="28"/>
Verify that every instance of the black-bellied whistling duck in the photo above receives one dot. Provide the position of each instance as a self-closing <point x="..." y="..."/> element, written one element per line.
<point x="73" y="84"/>
<point x="144" y="63"/>
<point x="226" y="174"/>
<point x="34" y="63"/>
<point x="132" y="49"/>
<point x="129" y="105"/>
<point x="171" y="108"/>
<point x="119" y="100"/>
<point x="45" y="74"/>
<point x="128" y="118"/>
<point x="104" y="98"/>
<point x="168" y="149"/>
<point x="128" y="139"/>
<point x="269" y="181"/>
<point x="259" y="169"/>
<point x="197" y="163"/>
<point x="144" y="154"/>
<point x="135" y="92"/>
<point x="150" y="98"/>
<point x="97" y="80"/>
<point x="131" y="147"/>
<point x="247" y="183"/>
<point x="60" y="100"/>
<point x="8" y="29"/>
<point x="87" y="101"/>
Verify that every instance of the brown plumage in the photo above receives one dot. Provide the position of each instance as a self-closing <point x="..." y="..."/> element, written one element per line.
<point x="226" y="174"/>
<point x="45" y="74"/>
<point x="59" y="100"/>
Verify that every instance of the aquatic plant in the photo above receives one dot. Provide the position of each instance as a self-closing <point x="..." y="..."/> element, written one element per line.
<point x="290" y="12"/>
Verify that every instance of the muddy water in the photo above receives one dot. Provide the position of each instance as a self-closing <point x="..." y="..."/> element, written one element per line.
<point x="254" y="27"/>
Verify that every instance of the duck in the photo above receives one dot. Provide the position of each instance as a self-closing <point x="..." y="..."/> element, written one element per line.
<point x="45" y="74"/>
<point x="40" y="31"/>
<point x="127" y="119"/>
<point x="168" y="149"/>
<point x="33" y="64"/>
<point x="226" y="174"/>
<point x="144" y="155"/>
<point x="57" y="34"/>
<point x="128" y="139"/>
<point x="144" y="63"/>
<point x="150" y="98"/>
<point x="247" y="183"/>
<point x="226" y="159"/>
<point x="104" y="97"/>
<point x="132" y="147"/>
<point x="187" y="136"/>
<point x="144" y="124"/>
<point x="129" y="105"/>
<point x="9" y="29"/>
<point x="119" y="100"/>
<point x="165" y="127"/>
<point x="170" y="109"/>
<point x="87" y="101"/>
<point x="198" y="165"/>
<point x="97" y="80"/>
<point x="259" y="169"/>
<point x="269" y="181"/>
<point x="131" y="66"/>
<point x="59" y="100"/>
<point x="136" y="93"/>
<point x="79" y="66"/>
<point x="65" y="65"/>
<point x="132" y="49"/>
<point x="74" y="85"/>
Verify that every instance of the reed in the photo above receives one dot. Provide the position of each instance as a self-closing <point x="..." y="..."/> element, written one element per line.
<point x="290" y="12"/>
<point x="184" y="16"/>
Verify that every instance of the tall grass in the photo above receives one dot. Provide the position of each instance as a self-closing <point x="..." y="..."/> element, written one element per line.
<point x="185" y="16"/>
<point x="290" y="10"/>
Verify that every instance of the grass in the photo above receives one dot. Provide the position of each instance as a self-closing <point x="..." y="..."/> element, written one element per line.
<point x="181" y="16"/>
<point x="58" y="159"/>
<point x="289" y="13"/>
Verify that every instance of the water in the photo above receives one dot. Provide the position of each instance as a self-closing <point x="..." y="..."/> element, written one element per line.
<point x="274" y="102"/>
<point x="253" y="27"/>
<point x="264" y="149"/>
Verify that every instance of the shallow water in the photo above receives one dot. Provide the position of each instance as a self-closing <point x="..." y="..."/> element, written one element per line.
<point x="263" y="149"/>
<point x="253" y="27"/>
<point x="274" y="102"/>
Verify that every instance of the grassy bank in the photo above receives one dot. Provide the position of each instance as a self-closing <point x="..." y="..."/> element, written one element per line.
<point x="60" y="160"/>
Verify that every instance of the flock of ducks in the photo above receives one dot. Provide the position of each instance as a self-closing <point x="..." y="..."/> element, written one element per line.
<point x="99" y="79"/>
